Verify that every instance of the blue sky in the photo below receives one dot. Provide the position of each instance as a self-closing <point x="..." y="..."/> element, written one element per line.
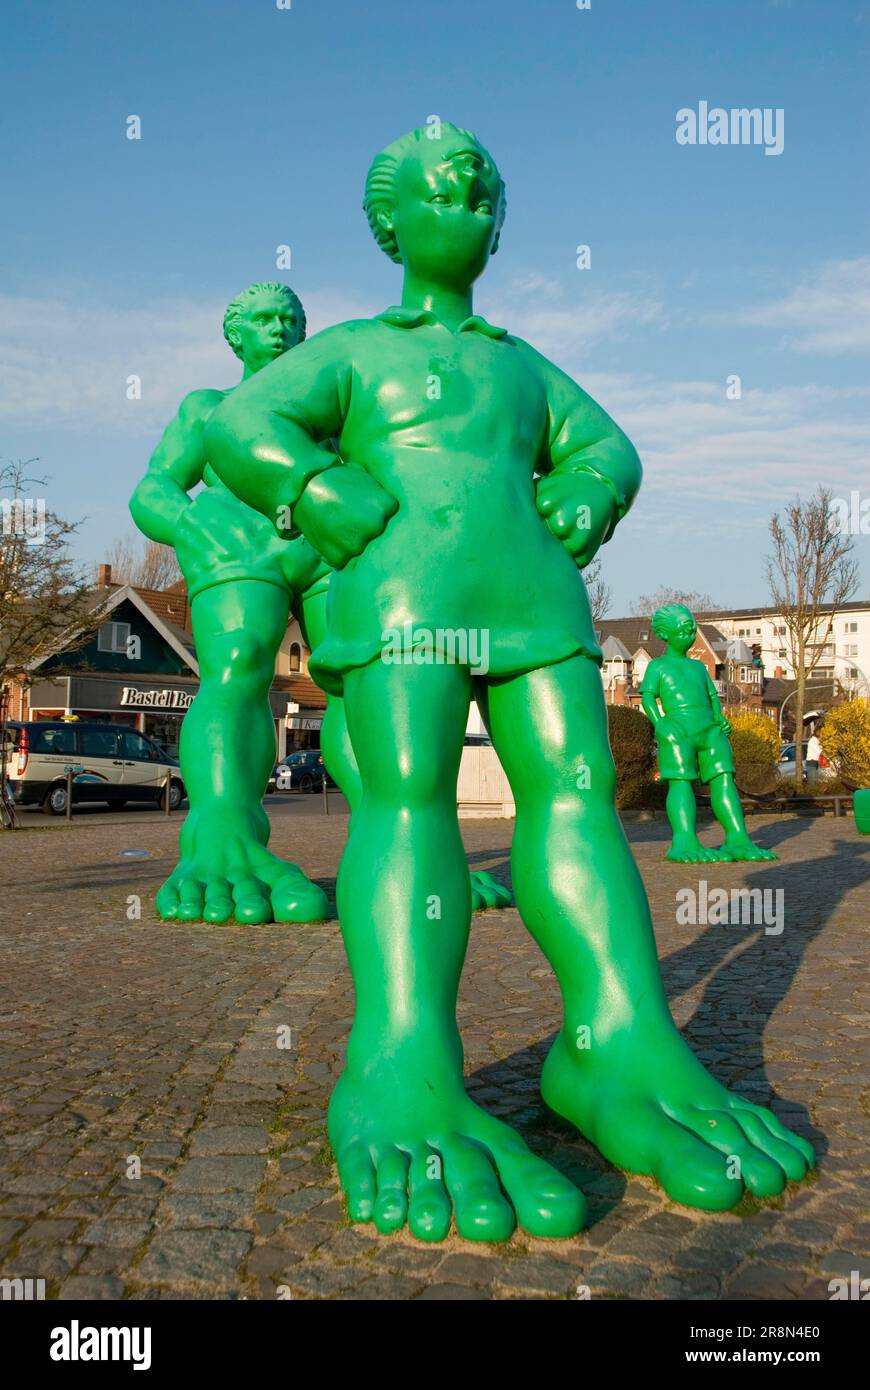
<point x="258" y="125"/>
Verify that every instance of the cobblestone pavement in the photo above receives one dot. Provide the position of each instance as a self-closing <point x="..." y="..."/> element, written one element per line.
<point x="127" y="1042"/>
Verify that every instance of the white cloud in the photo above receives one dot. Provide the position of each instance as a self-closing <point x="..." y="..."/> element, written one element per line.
<point x="536" y="310"/>
<point x="828" y="313"/>
<point x="737" y="456"/>
<point x="66" y="364"/>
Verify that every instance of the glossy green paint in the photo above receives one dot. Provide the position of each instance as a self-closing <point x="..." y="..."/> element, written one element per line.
<point x="691" y="731"/>
<point x="430" y="508"/>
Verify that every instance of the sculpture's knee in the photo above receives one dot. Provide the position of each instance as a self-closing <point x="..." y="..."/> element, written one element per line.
<point x="415" y="782"/>
<point x="239" y="657"/>
<point x="587" y="779"/>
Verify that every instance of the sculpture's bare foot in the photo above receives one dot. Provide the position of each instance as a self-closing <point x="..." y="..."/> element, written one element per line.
<point x="686" y="849"/>
<point x="740" y="847"/>
<point x="486" y="891"/>
<point x="650" y="1107"/>
<point x="413" y="1148"/>
<point x="225" y="873"/>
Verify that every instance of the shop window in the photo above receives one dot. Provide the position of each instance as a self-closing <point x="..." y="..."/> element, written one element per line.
<point x="113" y="637"/>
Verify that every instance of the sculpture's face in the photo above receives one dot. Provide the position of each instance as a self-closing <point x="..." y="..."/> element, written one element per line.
<point x="445" y="216"/>
<point x="268" y="326"/>
<point x="683" y="632"/>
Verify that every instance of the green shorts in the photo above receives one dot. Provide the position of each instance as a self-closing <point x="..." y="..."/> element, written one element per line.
<point x="701" y="752"/>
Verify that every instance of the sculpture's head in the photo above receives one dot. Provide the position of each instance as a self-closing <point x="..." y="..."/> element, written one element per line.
<point x="262" y="322"/>
<point x="435" y="202"/>
<point x="675" y="624"/>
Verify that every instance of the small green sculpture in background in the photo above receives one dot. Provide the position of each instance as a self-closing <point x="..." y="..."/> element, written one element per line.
<point x="691" y="731"/>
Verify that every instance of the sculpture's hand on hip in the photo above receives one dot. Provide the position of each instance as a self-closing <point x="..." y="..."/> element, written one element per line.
<point x="341" y="510"/>
<point x="578" y="509"/>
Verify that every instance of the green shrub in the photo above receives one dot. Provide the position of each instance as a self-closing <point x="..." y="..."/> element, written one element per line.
<point x="633" y="745"/>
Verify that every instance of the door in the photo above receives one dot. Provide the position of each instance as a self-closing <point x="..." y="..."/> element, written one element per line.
<point x="102" y="762"/>
<point x="144" y="773"/>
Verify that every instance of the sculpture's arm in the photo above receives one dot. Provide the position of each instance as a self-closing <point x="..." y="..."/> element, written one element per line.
<point x="176" y="466"/>
<point x="665" y="723"/>
<point x="592" y="470"/>
<point x="650" y="706"/>
<point x="584" y="441"/>
<point x="718" y="716"/>
<point x="264" y="443"/>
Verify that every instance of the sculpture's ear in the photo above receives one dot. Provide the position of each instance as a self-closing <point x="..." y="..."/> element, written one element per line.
<point x="494" y="247"/>
<point x="385" y="219"/>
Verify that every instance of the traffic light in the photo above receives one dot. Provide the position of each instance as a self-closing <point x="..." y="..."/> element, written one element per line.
<point x="756" y="654"/>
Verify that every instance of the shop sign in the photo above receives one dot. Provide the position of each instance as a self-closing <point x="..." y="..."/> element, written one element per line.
<point x="156" y="699"/>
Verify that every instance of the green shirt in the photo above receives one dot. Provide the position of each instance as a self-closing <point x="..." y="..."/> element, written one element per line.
<point x="455" y="426"/>
<point x="681" y="683"/>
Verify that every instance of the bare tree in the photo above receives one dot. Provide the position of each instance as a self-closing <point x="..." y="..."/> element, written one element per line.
<point x="147" y="566"/>
<point x="810" y="574"/>
<point x="600" y="595"/>
<point x="646" y="605"/>
<point x="45" y="599"/>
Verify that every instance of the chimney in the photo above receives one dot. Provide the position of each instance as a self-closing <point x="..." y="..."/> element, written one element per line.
<point x="104" y="577"/>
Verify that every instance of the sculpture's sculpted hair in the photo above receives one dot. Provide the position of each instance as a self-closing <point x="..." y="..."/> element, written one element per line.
<point x="665" y="619"/>
<point x="238" y="306"/>
<point x="380" y="183"/>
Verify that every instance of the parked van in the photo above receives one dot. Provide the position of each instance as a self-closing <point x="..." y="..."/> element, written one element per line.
<point x="110" y="763"/>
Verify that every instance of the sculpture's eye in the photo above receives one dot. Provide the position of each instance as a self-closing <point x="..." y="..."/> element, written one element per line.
<point x="441" y="199"/>
<point x="485" y="208"/>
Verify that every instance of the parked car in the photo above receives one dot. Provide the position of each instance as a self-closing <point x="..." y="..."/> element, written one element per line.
<point x="110" y="763"/>
<point x="787" y="760"/>
<point x="303" y="771"/>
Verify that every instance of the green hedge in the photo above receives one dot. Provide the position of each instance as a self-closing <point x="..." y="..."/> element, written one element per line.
<point x="633" y="744"/>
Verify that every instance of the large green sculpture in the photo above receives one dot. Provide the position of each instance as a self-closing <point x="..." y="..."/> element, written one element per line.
<point x="691" y="732"/>
<point x="442" y="534"/>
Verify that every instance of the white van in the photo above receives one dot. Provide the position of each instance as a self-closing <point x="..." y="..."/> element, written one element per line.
<point x="110" y="763"/>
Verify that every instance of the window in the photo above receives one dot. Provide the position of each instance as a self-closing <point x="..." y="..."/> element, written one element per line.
<point x="779" y="631"/>
<point x="852" y="650"/>
<point x="50" y="740"/>
<point x="101" y="743"/>
<point x="782" y="653"/>
<point x="112" y="637"/>
<point x="850" y="627"/>
<point x="136" y="747"/>
<point x="295" y="657"/>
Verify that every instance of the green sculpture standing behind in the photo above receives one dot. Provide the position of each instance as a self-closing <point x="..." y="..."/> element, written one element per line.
<point x="242" y="576"/>
<point x="472" y="481"/>
<point x="680" y="700"/>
